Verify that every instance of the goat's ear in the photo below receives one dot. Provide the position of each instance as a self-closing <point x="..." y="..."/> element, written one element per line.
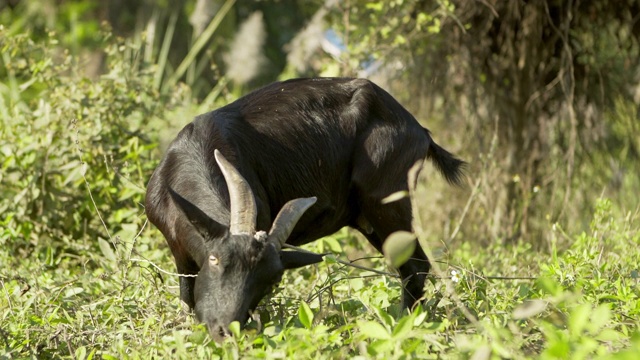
<point x="296" y="259"/>
<point x="206" y="226"/>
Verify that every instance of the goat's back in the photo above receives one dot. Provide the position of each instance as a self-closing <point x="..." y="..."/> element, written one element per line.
<point x="325" y="137"/>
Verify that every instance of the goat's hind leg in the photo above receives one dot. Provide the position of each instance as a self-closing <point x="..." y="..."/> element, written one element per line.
<point x="414" y="274"/>
<point x="381" y="169"/>
<point x="386" y="219"/>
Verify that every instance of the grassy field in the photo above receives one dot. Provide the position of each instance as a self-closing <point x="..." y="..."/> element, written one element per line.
<point x="501" y="302"/>
<point x="83" y="275"/>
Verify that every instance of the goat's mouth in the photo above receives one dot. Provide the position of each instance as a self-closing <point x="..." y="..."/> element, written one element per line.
<point x="219" y="333"/>
<point x="255" y="318"/>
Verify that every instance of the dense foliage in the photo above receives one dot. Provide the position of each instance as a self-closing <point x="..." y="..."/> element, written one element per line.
<point x="83" y="275"/>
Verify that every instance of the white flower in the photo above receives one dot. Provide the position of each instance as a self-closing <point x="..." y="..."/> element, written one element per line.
<point x="455" y="277"/>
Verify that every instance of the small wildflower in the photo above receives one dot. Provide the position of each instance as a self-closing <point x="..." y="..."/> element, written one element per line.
<point x="536" y="189"/>
<point x="516" y="178"/>
<point x="455" y="277"/>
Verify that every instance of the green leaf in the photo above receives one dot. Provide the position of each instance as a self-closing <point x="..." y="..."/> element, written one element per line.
<point x="198" y="336"/>
<point x="333" y="244"/>
<point x="403" y="327"/>
<point x="435" y="28"/>
<point x="377" y="6"/>
<point x="419" y="319"/>
<point x="383" y="316"/>
<point x="374" y="330"/>
<point x="234" y="328"/>
<point x="380" y="347"/>
<point x="92" y="354"/>
<point x="549" y="286"/>
<point x="483" y="352"/>
<point x="399" y="247"/>
<point x="81" y="352"/>
<point x="529" y="309"/>
<point x="73" y="292"/>
<point x="106" y="249"/>
<point x="305" y="315"/>
<point x="599" y="318"/>
<point x="557" y="349"/>
<point x="356" y="284"/>
<point x="579" y="319"/>
<point x="610" y="335"/>
<point x="330" y="259"/>
<point x="399" y="40"/>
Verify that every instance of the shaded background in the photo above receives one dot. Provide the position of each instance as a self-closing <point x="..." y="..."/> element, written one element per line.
<point x="554" y="82"/>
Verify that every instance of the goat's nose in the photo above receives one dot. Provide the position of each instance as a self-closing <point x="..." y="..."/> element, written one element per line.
<point x="219" y="333"/>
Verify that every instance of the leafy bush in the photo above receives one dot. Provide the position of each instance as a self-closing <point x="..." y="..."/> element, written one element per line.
<point x="67" y="139"/>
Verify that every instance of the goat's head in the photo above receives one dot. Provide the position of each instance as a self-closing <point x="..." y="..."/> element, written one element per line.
<point x="241" y="265"/>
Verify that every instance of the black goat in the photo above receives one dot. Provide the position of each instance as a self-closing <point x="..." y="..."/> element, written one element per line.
<point x="343" y="144"/>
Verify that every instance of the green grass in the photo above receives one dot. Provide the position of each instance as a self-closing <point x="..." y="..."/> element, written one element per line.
<point x="82" y="303"/>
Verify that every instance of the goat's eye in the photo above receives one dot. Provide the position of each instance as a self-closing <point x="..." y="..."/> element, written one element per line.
<point x="213" y="261"/>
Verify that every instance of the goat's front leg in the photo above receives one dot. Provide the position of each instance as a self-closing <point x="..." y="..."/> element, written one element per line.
<point x="187" y="286"/>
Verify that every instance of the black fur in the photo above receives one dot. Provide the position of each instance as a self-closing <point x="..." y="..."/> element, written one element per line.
<point x="345" y="141"/>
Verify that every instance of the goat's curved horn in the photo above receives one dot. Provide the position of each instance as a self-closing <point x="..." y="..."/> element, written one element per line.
<point x="243" y="204"/>
<point x="287" y="219"/>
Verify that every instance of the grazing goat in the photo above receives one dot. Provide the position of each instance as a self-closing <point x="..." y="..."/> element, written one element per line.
<point x="289" y="163"/>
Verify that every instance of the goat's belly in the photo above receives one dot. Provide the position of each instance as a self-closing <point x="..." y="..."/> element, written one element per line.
<point x="323" y="222"/>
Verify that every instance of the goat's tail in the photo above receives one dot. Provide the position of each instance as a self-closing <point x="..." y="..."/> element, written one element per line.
<point x="449" y="166"/>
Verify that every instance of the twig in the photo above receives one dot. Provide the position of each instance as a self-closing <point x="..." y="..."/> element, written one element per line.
<point x="568" y="88"/>
<point x="379" y="272"/>
<point x="474" y="193"/>
<point x="508" y="277"/>
<point x="133" y="242"/>
<point x="74" y="124"/>
<point x="418" y="229"/>
<point x="346" y="263"/>
<point x="332" y="283"/>
<point x="161" y="270"/>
